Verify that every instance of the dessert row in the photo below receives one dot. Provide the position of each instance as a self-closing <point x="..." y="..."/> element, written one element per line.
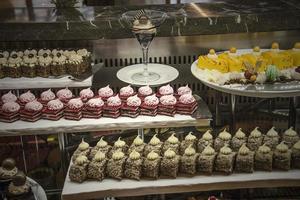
<point x="44" y="63"/>
<point x="258" y="66"/>
<point x="14" y="184"/>
<point x="127" y="103"/>
<point x="191" y="156"/>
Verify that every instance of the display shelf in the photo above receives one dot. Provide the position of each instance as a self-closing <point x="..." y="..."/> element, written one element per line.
<point x="126" y="187"/>
<point x="39" y="82"/>
<point x="201" y="117"/>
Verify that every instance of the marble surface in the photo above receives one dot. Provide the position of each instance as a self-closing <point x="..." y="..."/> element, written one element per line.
<point x="216" y="17"/>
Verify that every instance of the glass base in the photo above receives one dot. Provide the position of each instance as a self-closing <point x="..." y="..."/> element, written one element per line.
<point x="140" y="77"/>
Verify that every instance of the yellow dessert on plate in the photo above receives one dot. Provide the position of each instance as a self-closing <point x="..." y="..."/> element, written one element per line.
<point x="235" y="64"/>
<point x="212" y="61"/>
<point x="254" y="57"/>
<point x="281" y="59"/>
<point x="295" y="53"/>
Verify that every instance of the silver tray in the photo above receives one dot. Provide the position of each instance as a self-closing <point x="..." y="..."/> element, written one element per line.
<point x="288" y="89"/>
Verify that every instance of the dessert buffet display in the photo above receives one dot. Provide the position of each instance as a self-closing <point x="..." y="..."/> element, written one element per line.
<point x="127" y="102"/>
<point x="44" y="63"/>
<point x="245" y="71"/>
<point x="159" y="159"/>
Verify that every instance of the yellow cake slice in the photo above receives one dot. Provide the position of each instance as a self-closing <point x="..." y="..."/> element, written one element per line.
<point x="235" y="64"/>
<point x="295" y="53"/>
<point x="255" y="56"/>
<point x="212" y="61"/>
<point x="281" y="59"/>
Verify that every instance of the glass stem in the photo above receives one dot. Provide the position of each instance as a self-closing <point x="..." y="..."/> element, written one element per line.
<point x="145" y="61"/>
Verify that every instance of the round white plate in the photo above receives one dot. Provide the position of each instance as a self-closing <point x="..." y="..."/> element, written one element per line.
<point x="288" y="89"/>
<point x="166" y="72"/>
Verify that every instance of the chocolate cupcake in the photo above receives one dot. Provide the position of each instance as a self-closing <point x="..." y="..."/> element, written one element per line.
<point x="204" y="141"/>
<point x="170" y="164"/>
<point x="97" y="167"/>
<point x="282" y="157"/>
<point x="119" y="145"/>
<point x="255" y="139"/>
<point x="115" y="165"/>
<point x="188" y="162"/>
<point x="13" y="68"/>
<point x="78" y="170"/>
<point x="154" y="145"/>
<point x="3" y="65"/>
<point x="43" y="69"/>
<point x="223" y="138"/>
<point x="75" y="65"/>
<point x="206" y="160"/>
<point x="271" y="138"/>
<point x="86" y="56"/>
<point x="8" y="170"/>
<point x="58" y="66"/>
<point x="225" y="160"/>
<point x="238" y="140"/>
<point x="263" y="158"/>
<point x="189" y="139"/>
<point x="102" y="146"/>
<point x="137" y="145"/>
<point x="244" y="160"/>
<point x="151" y="165"/>
<point x="83" y="149"/>
<point x="30" y="63"/>
<point x="290" y="137"/>
<point x="20" y="188"/>
<point x="133" y="166"/>
<point x="296" y="155"/>
<point x="171" y="143"/>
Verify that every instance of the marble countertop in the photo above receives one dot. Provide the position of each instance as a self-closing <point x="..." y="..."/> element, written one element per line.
<point x="219" y="17"/>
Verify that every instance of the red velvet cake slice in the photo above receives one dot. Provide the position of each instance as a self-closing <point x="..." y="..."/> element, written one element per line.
<point x="73" y="109"/>
<point x="131" y="107"/>
<point x="112" y="107"/>
<point x="9" y="112"/>
<point x="26" y="98"/>
<point x="54" y="110"/>
<point x="167" y="105"/>
<point x="86" y="94"/>
<point x="64" y="95"/>
<point x="126" y="92"/>
<point x="93" y="108"/>
<point x="187" y="104"/>
<point x="165" y="90"/>
<point x="149" y="106"/>
<point x="46" y="96"/>
<point x="32" y="111"/>
<point x="144" y="91"/>
<point x="105" y="93"/>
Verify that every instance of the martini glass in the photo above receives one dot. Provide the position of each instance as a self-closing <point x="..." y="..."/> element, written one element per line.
<point x="144" y="24"/>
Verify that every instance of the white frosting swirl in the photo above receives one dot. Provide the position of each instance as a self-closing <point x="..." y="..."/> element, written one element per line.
<point x="207" y="135"/>
<point x="114" y="101"/>
<point x="59" y="59"/>
<point x="145" y="90"/>
<point x="169" y="153"/>
<point x="75" y="58"/>
<point x="134" y="155"/>
<point x="224" y="135"/>
<point x="99" y="156"/>
<point x="101" y="143"/>
<point x="187" y="98"/>
<point x="83" y="145"/>
<point x="68" y="53"/>
<point x="30" y="51"/>
<point x="105" y="91"/>
<point x="126" y="91"/>
<point x="41" y="52"/>
<point x="184" y="90"/>
<point x="151" y="100"/>
<point x="27" y="97"/>
<point x="272" y="132"/>
<point x="168" y="100"/>
<point x="133" y="101"/>
<point x="33" y="106"/>
<point x="240" y="134"/>
<point x="83" y="52"/>
<point x="18" y="53"/>
<point x="10" y="107"/>
<point x="290" y="132"/>
<point x="152" y="155"/>
<point x="138" y="141"/>
<point x="47" y="95"/>
<point x="75" y="103"/>
<point x="119" y="143"/>
<point x="5" y="54"/>
<point x="173" y="139"/>
<point x="154" y="140"/>
<point x="166" y="90"/>
<point x="64" y="94"/>
<point x="86" y="93"/>
<point x="55" y="104"/>
<point x="118" y="155"/>
<point x="190" y="137"/>
<point x="80" y="160"/>
<point x="9" y="97"/>
<point x="45" y="60"/>
<point x="95" y="103"/>
<point x="255" y="133"/>
<point x="15" y="61"/>
<point x="30" y="60"/>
